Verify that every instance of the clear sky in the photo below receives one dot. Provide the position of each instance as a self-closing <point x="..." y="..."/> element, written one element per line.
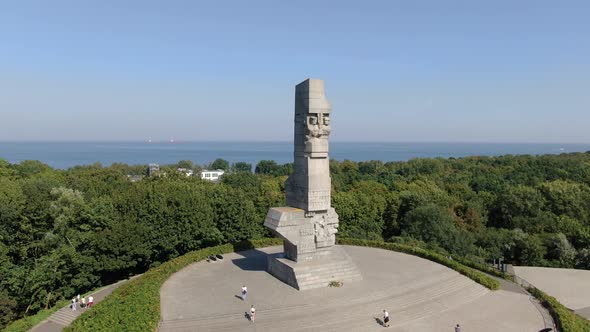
<point x="413" y="70"/>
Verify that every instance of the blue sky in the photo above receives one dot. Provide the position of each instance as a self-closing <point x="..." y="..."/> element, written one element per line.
<point x="468" y="71"/>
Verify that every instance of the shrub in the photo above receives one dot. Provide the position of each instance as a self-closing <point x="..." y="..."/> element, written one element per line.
<point x="135" y="306"/>
<point x="471" y="273"/>
<point x="566" y="320"/>
<point x="28" y="322"/>
<point x="485" y="268"/>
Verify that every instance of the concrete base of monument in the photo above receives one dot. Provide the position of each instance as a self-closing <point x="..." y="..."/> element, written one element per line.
<point x="333" y="265"/>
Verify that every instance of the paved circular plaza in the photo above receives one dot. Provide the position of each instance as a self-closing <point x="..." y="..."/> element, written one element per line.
<point x="420" y="296"/>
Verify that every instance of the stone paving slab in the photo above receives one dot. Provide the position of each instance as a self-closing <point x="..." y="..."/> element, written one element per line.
<point x="569" y="286"/>
<point x="584" y="312"/>
<point x="420" y="296"/>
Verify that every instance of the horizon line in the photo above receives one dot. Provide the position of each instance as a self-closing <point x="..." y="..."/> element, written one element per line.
<point x="291" y="141"/>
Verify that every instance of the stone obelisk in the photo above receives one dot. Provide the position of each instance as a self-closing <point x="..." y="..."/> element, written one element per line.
<point x="308" y="225"/>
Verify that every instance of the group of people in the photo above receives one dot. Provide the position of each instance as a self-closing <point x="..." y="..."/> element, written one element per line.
<point x="386" y="320"/>
<point x="244" y="294"/>
<point x="84" y="303"/>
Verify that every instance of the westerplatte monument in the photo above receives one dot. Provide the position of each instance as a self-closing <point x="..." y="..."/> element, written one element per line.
<point x="308" y="225"/>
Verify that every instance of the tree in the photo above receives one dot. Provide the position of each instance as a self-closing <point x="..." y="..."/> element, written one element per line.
<point x="220" y="164"/>
<point x="362" y="210"/>
<point x="560" y="250"/>
<point x="7" y="310"/>
<point x="359" y="216"/>
<point x="120" y="250"/>
<point x="528" y="249"/>
<point x="372" y="167"/>
<point x="12" y="204"/>
<point x="241" y="167"/>
<point x="66" y="210"/>
<point x="567" y="198"/>
<point x="267" y="167"/>
<point x="284" y="170"/>
<point x="497" y="243"/>
<point x="518" y="201"/>
<point x="419" y="193"/>
<point x="26" y="168"/>
<point x="6" y="171"/>
<point x="188" y="164"/>
<point x="235" y="215"/>
<point x="435" y="224"/>
<point x="583" y="259"/>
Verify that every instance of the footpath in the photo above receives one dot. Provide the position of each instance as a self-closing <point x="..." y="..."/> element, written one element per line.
<point x="65" y="316"/>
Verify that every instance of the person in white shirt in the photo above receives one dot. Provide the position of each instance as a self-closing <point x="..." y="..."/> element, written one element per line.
<point x="252" y="313"/>
<point x="244" y="292"/>
<point x="385" y="318"/>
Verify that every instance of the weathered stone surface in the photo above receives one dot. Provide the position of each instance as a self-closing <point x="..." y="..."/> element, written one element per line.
<point x="328" y="265"/>
<point x="309" y="224"/>
<point x="308" y="188"/>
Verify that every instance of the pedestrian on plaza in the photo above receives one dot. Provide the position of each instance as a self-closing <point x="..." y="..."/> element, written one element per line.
<point x="73" y="306"/>
<point x="90" y="301"/>
<point x="252" y="313"/>
<point x="457" y="328"/>
<point x="244" y="292"/>
<point x="385" y="318"/>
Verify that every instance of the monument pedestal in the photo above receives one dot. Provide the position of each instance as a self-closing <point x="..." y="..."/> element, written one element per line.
<point x="316" y="270"/>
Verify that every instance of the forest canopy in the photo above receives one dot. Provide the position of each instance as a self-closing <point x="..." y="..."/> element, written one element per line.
<point x="64" y="232"/>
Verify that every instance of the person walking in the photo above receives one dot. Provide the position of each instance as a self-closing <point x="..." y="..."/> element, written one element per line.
<point x="90" y="301"/>
<point x="83" y="305"/>
<point x="458" y="328"/>
<point x="73" y="304"/>
<point x="252" y="313"/>
<point x="385" y="318"/>
<point x="244" y="292"/>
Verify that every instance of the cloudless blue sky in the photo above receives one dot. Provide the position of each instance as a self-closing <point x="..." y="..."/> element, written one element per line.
<point x="469" y="71"/>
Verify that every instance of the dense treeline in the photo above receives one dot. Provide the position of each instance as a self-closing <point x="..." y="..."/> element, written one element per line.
<point x="63" y="232"/>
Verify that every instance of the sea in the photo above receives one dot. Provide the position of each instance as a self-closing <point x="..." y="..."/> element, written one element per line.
<point x="64" y="155"/>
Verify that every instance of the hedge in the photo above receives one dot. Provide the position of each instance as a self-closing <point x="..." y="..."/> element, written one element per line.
<point x="485" y="268"/>
<point x="471" y="273"/>
<point x="135" y="306"/>
<point x="566" y="320"/>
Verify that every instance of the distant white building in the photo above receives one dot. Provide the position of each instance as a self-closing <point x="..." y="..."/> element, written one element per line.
<point x="185" y="171"/>
<point x="134" y="178"/>
<point x="211" y="175"/>
<point x="153" y="169"/>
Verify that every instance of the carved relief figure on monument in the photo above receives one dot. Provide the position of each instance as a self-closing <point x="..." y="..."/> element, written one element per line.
<point x="316" y="134"/>
<point x="326" y="227"/>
